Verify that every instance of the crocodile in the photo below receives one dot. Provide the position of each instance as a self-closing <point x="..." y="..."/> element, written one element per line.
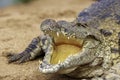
<point x="86" y="48"/>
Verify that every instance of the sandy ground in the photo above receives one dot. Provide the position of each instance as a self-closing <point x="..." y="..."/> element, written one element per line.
<point x="20" y="24"/>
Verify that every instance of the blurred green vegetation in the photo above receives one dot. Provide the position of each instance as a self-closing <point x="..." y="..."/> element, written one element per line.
<point x="23" y="1"/>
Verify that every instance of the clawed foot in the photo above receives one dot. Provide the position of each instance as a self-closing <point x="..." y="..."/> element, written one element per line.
<point x="18" y="58"/>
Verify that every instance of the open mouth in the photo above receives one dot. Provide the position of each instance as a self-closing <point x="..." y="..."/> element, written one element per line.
<point x="64" y="47"/>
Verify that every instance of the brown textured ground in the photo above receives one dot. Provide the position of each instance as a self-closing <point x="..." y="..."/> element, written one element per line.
<point x="20" y="24"/>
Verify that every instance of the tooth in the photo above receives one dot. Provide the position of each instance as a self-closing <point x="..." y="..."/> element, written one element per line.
<point x="57" y="34"/>
<point x="59" y="62"/>
<point x="73" y="36"/>
<point x="68" y="37"/>
<point x="40" y="62"/>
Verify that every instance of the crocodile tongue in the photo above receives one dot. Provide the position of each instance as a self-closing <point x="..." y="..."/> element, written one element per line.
<point x="62" y="52"/>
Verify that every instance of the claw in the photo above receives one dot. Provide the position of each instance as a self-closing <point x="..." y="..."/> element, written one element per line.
<point x="33" y="50"/>
<point x="14" y="57"/>
<point x="20" y="58"/>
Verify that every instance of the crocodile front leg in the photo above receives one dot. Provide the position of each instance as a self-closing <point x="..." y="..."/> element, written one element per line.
<point x="34" y="49"/>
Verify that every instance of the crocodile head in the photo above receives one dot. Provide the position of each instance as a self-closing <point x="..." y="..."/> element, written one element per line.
<point x="69" y="45"/>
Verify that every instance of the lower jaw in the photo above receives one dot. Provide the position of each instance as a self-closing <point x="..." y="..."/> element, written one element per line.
<point x="66" y="71"/>
<point x="57" y="58"/>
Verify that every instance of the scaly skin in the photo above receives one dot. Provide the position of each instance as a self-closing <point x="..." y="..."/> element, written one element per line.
<point x="95" y="29"/>
<point x="99" y="11"/>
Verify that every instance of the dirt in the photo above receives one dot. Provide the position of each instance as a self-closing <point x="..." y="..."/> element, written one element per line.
<point x="20" y="24"/>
